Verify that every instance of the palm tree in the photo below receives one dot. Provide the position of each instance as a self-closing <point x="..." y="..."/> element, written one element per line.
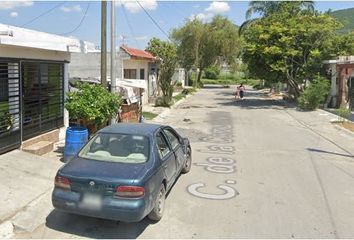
<point x="266" y="8"/>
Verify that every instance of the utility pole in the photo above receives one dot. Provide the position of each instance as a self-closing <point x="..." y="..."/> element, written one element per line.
<point x="113" y="52"/>
<point x="104" y="43"/>
<point x="113" y="48"/>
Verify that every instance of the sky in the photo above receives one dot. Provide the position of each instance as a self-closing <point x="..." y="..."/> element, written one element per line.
<point x="134" y="27"/>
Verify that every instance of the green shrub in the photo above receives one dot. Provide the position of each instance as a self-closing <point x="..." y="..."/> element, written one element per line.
<point x="6" y="121"/>
<point x="343" y="114"/>
<point x="212" y="72"/>
<point x="315" y="94"/>
<point x="187" y="91"/>
<point x="178" y="84"/>
<point x="162" y="102"/>
<point x="179" y="97"/>
<point x="92" y="103"/>
<point x="191" y="82"/>
<point x="149" y="115"/>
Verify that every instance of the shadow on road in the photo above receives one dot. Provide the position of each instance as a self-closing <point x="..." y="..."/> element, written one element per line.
<point x="213" y="86"/>
<point x="253" y="99"/>
<point x="257" y="103"/>
<point x="333" y="153"/>
<point x="94" y="227"/>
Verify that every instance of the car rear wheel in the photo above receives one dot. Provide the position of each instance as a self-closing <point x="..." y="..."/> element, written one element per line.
<point x="188" y="164"/>
<point x="157" y="212"/>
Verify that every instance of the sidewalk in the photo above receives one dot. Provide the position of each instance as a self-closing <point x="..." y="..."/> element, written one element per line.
<point x="26" y="182"/>
<point x="162" y="112"/>
<point x="320" y="122"/>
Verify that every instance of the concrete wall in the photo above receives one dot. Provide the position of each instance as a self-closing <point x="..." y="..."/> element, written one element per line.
<point x="16" y="36"/>
<point x="8" y="51"/>
<point x="139" y="64"/>
<point x="179" y="76"/>
<point x="85" y="65"/>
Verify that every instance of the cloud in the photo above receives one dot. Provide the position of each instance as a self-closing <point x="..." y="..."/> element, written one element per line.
<point x="5" y="5"/>
<point x="218" y="7"/>
<point x="74" y="8"/>
<point x="213" y="9"/>
<point x="13" y="14"/>
<point x="134" y="7"/>
<point x="201" y="16"/>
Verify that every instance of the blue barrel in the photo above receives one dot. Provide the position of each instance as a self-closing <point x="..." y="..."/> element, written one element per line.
<point x="75" y="138"/>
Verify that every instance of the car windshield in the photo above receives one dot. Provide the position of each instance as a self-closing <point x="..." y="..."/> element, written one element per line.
<point x="115" y="147"/>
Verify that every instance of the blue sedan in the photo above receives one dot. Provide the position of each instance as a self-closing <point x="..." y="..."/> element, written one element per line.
<point x="123" y="173"/>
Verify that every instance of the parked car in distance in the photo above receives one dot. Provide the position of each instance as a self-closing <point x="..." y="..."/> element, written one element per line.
<point x="123" y="173"/>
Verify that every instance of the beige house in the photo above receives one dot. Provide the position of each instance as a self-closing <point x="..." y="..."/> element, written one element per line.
<point x="132" y="65"/>
<point x="342" y="81"/>
<point x="139" y="64"/>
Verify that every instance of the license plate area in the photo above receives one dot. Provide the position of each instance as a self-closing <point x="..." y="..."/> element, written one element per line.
<point x="91" y="201"/>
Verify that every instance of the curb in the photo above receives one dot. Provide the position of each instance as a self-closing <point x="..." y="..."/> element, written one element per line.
<point x="34" y="215"/>
<point x="342" y="129"/>
<point x="161" y="117"/>
<point x="27" y="219"/>
<point x="6" y="230"/>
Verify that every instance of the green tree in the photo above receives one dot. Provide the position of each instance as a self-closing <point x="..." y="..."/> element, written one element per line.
<point x="167" y="53"/>
<point x="342" y="44"/>
<point x="202" y="45"/>
<point x="266" y="8"/>
<point x="315" y="94"/>
<point x="188" y="38"/>
<point x="288" y="46"/>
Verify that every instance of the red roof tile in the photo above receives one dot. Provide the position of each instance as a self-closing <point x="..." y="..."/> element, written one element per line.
<point x="137" y="53"/>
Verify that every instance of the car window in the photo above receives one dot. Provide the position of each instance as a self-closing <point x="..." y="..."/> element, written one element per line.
<point x="162" y="145"/>
<point x="112" y="147"/>
<point x="172" y="138"/>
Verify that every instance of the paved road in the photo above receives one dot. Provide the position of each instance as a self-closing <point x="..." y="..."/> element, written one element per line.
<point x="259" y="172"/>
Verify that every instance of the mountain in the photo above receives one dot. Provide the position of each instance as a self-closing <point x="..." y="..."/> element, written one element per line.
<point x="346" y="17"/>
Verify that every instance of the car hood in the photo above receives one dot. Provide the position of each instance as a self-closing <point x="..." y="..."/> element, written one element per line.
<point x="108" y="171"/>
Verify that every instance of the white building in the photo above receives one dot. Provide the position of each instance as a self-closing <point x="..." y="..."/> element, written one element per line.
<point x="132" y="65"/>
<point x="33" y="81"/>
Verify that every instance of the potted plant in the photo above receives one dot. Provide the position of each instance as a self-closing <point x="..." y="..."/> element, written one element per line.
<point x="92" y="106"/>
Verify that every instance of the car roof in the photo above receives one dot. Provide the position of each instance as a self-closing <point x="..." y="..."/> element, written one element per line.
<point x="132" y="128"/>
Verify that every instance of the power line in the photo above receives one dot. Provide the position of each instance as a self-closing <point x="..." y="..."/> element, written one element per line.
<point x="41" y="15"/>
<point x="129" y="25"/>
<point x="82" y="20"/>
<point x="153" y="20"/>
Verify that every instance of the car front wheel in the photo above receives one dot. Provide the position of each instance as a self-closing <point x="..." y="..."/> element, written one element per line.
<point x="157" y="212"/>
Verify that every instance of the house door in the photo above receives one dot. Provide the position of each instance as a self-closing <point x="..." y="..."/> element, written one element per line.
<point x="42" y="92"/>
<point x="351" y="93"/>
<point x="10" y="127"/>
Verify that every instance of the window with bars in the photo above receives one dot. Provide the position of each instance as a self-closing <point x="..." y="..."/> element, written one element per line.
<point x="130" y="73"/>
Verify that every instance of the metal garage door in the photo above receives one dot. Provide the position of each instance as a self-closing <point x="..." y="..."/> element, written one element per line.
<point x="10" y="127"/>
<point x="43" y="107"/>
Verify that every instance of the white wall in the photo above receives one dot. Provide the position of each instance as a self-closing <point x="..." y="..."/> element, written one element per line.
<point x="179" y="76"/>
<point x="139" y="64"/>
<point x="85" y="65"/>
<point x="23" y="37"/>
<point x="7" y="51"/>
